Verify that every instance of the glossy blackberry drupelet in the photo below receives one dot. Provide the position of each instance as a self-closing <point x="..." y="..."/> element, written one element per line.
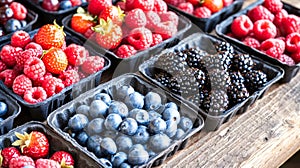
<point x="172" y="63"/>
<point x="163" y="78"/>
<point x="200" y="77"/>
<point x="237" y="93"/>
<point x="236" y="77"/>
<point x="242" y="63"/>
<point x="255" y="79"/>
<point x="220" y="61"/>
<point x="198" y="99"/>
<point x="216" y="103"/>
<point x="224" y="46"/>
<point x="219" y="79"/>
<point x="194" y="57"/>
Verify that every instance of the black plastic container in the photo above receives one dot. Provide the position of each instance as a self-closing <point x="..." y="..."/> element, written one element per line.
<point x="204" y="42"/>
<point x="129" y="65"/>
<point x="40" y="111"/>
<point x="14" y="110"/>
<point x="209" y="24"/>
<point x="56" y="143"/>
<point x="60" y="117"/>
<point x="224" y="27"/>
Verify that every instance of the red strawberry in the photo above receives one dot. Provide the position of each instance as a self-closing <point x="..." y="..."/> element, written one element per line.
<point x="213" y="5"/>
<point x="202" y="12"/>
<point x="92" y="64"/>
<point x="108" y="35"/>
<point x="76" y="54"/>
<point x="34" y="68"/>
<point x="9" y="53"/>
<point x="152" y="19"/>
<point x="35" y="95"/>
<point x="38" y="48"/>
<point x="165" y="29"/>
<point x="2" y="66"/>
<point x="125" y="51"/>
<point x="8" y="76"/>
<point x="55" y="60"/>
<point x="145" y="5"/>
<point x="21" y="84"/>
<point x="81" y="22"/>
<point x="69" y="77"/>
<point x="273" y="6"/>
<point x="20" y="39"/>
<point x="7" y="154"/>
<point x="135" y="18"/>
<point x="260" y="12"/>
<point x="34" y="145"/>
<point x="114" y="13"/>
<point x="160" y="6"/>
<point x="52" y="85"/>
<point x="96" y="6"/>
<point x="50" y="35"/>
<point x="140" y="38"/>
<point x="21" y="161"/>
<point x="46" y="163"/>
<point x="292" y="42"/>
<point x="241" y="26"/>
<point x="186" y="7"/>
<point x="64" y="158"/>
<point x="273" y="47"/>
<point x="20" y="11"/>
<point x="169" y="16"/>
<point x="290" y="24"/>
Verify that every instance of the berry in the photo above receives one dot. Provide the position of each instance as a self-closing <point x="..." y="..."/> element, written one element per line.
<point x="12" y="25"/>
<point x="128" y="126"/>
<point x="34" y="68"/>
<point x="290" y="24"/>
<point x="96" y="126"/>
<point x="20" y="12"/>
<point x="21" y="84"/>
<point x="145" y="5"/>
<point x="169" y="16"/>
<point x="124" y="143"/>
<point x="141" y="116"/>
<point x="157" y="38"/>
<point x="60" y="156"/>
<point x="76" y="54"/>
<point x="152" y="19"/>
<point x="171" y="114"/>
<point x="114" y="13"/>
<point x="292" y="42"/>
<point x="96" y="6"/>
<point x="35" y="95"/>
<point x="259" y="13"/>
<point x="185" y="123"/>
<point x="264" y="29"/>
<point x="24" y="56"/>
<point x="69" y="77"/>
<point x="65" y="4"/>
<point x="2" y="66"/>
<point x="186" y="7"/>
<point x="251" y="42"/>
<point x="55" y="60"/>
<point x="82" y="138"/>
<point x="135" y="18"/>
<point x="21" y="161"/>
<point x="134" y="100"/>
<point x="76" y="2"/>
<point x="81" y="22"/>
<point x="92" y="64"/>
<point x="213" y="5"/>
<point x="140" y="38"/>
<point x="160" y="6"/>
<point x="46" y="163"/>
<point x="125" y="51"/>
<point x="20" y="39"/>
<point x="273" y="6"/>
<point x="138" y="156"/>
<point x="8" y="76"/>
<point x="279" y="16"/>
<point x="50" y="5"/>
<point x="9" y="54"/>
<point x="227" y="2"/>
<point x="52" y="85"/>
<point x="39" y="81"/>
<point x="273" y="47"/>
<point x="6" y="13"/>
<point x="255" y="79"/>
<point x="296" y="56"/>
<point x="286" y="60"/>
<point x="118" y="159"/>
<point x="158" y="142"/>
<point x="77" y="122"/>
<point x="7" y="154"/>
<point x="157" y="126"/>
<point x="174" y="2"/>
<point x="241" y="26"/>
<point x="38" y="48"/>
<point x="202" y="12"/>
<point x="165" y="29"/>
<point x="194" y="2"/>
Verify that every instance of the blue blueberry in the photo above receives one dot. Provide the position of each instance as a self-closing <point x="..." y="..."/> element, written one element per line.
<point x="1" y="119"/>
<point x="138" y="156"/>
<point x="105" y="162"/>
<point x="110" y="134"/>
<point x="65" y="4"/>
<point x="179" y="134"/>
<point x="152" y="101"/>
<point x="3" y="108"/>
<point x="125" y="165"/>
<point x="124" y="91"/>
<point x="23" y="23"/>
<point x="118" y="107"/>
<point x="98" y="109"/>
<point x="124" y="143"/>
<point x="83" y="1"/>
<point x="82" y="138"/>
<point x="93" y="142"/>
<point x="104" y="97"/>
<point x="157" y="125"/>
<point x="137" y="146"/>
<point x="12" y="25"/>
<point x="96" y="126"/>
<point x="69" y="131"/>
<point x="141" y="116"/>
<point x="118" y="159"/>
<point x="134" y="100"/>
<point x="185" y="124"/>
<point x="113" y="121"/>
<point x="78" y="122"/>
<point x="171" y="114"/>
<point x="171" y="105"/>
<point x="128" y="126"/>
<point x="141" y="136"/>
<point x="108" y="146"/>
<point x="171" y="128"/>
<point x="151" y="153"/>
<point x="159" y="142"/>
<point x="83" y="109"/>
<point x="154" y="115"/>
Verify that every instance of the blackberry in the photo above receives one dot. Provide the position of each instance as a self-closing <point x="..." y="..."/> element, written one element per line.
<point x="200" y="77"/>
<point x="172" y="63"/>
<point x="224" y="46"/>
<point x="237" y="92"/>
<point x="255" y="79"/>
<point x="242" y="63"/>
<point x="198" y="99"/>
<point x="163" y="78"/>
<point x="216" y="103"/>
<point x="194" y="57"/>
<point x="219" y="79"/>
<point x="220" y="61"/>
<point x="236" y="77"/>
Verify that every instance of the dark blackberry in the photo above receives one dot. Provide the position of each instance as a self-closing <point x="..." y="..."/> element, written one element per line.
<point x="236" y="77"/>
<point x="171" y="63"/>
<point x="224" y="46"/>
<point x="219" y="79"/>
<point x="237" y="92"/>
<point x="242" y="62"/>
<point x="200" y="77"/>
<point x="194" y="57"/>
<point x="255" y="79"/>
<point x="220" y="61"/>
<point x="198" y="99"/>
<point x="216" y="103"/>
<point x="163" y="78"/>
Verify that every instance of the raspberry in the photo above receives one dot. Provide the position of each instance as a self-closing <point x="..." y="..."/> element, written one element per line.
<point x="8" y="76"/>
<point x="290" y="24"/>
<point x="2" y="66"/>
<point x="202" y="12"/>
<point x="76" y="54"/>
<point x="76" y="2"/>
<point x="81" y="75"/>
<point x="35" y="95"/>
<point x="186" y="7"/>
<point x="273" y="6"/>
<point x="52" y="86"/>
<point x="286" y="59"/>
<point x="71" y="67"/>
<point x="140" y="38"/>
<point x="20" y="38"/>
<point x="292" y="42"/>
<point x="296" y="56"/>
<point x="69" y="77"/>
<point x="38" y="48"/>
<point x="39" y="81"/>
<point x="125" y="51"/>
<point x="174" y="2"/>
<point x="165" y="29"/>
<point x="19" y="10"/>
<point x="160" y="6"/>
<point x="157" y="38"/>
<point x="279" y="16"/>
<point x="24" y="56"/>
<point x="21" y="84"/>
<point x="251" y="42"/>
<point x="273" y="47"/>
<point x="152" y="19"/>
<point x="169" y="16"/>
<point x="259" y="13"/>
<point x="135" y="18"/>
<point x="241" y="26"/>
<point x="264" y="29"/>
<point x="9" y="54"/>
<point x="92" y="64"/>
<point x="34" y="68"/>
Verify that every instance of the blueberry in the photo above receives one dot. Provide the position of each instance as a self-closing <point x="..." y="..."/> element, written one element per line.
<point x="93" y="142"/>
<point x="151" y="153"/>
<point x="3" y="108"/>
<point x="108" y="146"/>
<point x="1" y="119"/>
<point x="171" y="128"/>
<point x="69" y="131"/>
<point x="137" y="146"/>
<point x="124" y="143"/>
<point x="152" y="101"/>
<point x="23" y="23"/>
<point x="95" y="126"/>
<point x="83" y="109"/>
<point x="78" y="122"/>
<point x="110" y="134"/>
<point x="65" y="4"/>
<point x="157" y="125"/>
<point x="128" y="126"/>
<point x="159" y="142"/>
<point x="12" y="25"/>
<point x="154" y="115"/>
<point x="104" y="97"/>
<point x="171" y="114"/>
<point x="134" y="100"/>
<point x="118" y="107"/>
<point x="82" y="138"/>
<point x="98" y="109"/>
<point x="118" y="159"/>
<point x="112" y="122"/>
<point x="179" y="134"/>
<point x="138" y="156"/>
<point x="141" y="136"/>
<point x="125" y="165"/>
<point x="105" y="162"/>
<point x="185" y="124"/>
<point x="83" y="1"/>
<point x="171" y="105"/>
<point x="124" y="91"/>
<point x="141" y="116"/>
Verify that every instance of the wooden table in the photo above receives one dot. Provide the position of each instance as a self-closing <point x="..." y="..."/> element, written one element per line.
<point x="264" y="136"/>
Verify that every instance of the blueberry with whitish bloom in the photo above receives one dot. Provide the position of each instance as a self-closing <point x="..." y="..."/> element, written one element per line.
<point x="124" y="143"/>
<point x="134" y="100"/>
<point x="171" y="105"/>
<point x="171" y="114"/>
<point x="96" y="126"/>
<point x="179" y="134"/>
<point x="118" y="159"/>
<point x="124" y="91"/>
<point x="104" y="97"/>
<point x="112" y="122"/>
<point x="108" y="146"/>
<point x="154" y="115"/>
<point x="137" y="146"/>
<point x="65" y="4"/>
<point x="3" y="109"/>
<point x="118" y="107"/>
<point x="138" y="156"/>
<point x="152" y="101"/>
<point x="159" y="142"/>
<point x="105" y="162"/>
<point x="125" y="165"/>
<point x="141" y="136"/>
<point x="185" y="124"/>
<point x="82" y="138"/>
<point x="157" y="125"/>
<point x="83" y="109"/>
<point x="93" y="144"/>
<point x="171" y="128"/>
<point x="110" y="133"/>
<point x="98" y="109"/>
<point x="141" y="116"/>
<point x="78" y="122"/>
<point x="128" y="126"/>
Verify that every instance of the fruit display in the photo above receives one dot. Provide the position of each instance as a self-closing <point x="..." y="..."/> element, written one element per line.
<point x="56" y="5"/>
<point x="126" y="122"/>
<point x="3" y="110"/>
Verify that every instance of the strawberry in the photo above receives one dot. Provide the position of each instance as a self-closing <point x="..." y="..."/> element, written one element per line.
<point x="21" y="161"/>
<point x="108" y="34"/>
<point x="81" y="22"/>
<point x="96" y="6"/>
<point x="92" y="65"/>
<point x="7" y="154"/>
<point x="76" y="54"/>
<point x="114" y="13"/>
<point x="50" y="35"/>
<point x="213" y="5"/>
<point x="64" y="158"/>
<point x="34" y="145"/>
<point x="145" y="5"/>
<point x="55" y="60"/>
<point x="140" y="38"/>
<point x="46" y="163"/>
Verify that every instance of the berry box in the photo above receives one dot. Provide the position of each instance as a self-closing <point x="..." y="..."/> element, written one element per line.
<point x="40" y="111"/>
<point x="56" y="143"/>
<point x="225" y="27"/>
<point x="148" y="145"/>
<point x="13" y="110"/>
<point x="208" y="24"/>
<point x="217" y="92"/>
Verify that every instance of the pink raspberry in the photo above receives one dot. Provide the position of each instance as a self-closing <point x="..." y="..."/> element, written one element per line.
<point x="34" y="68"/>
<point x="21" y="84"/>
<point x="39" y="81"/>
<point x="292" y="42"/>
<point x="2" y="66"/>
<point x="273" y="6"/>
<point x="296" y="56"/>
<point x="25" y="55"/>
<point x="251" y="42"/>
<point x="76" y="54"/>
<point x="8" y="76"/>
<point x="152" y="19"/>
<point x="169" y="16"/>
<point x="9" y="54"/>
<point x="20" y="39"/>
<point x="157" y="38"/>
<point x="279" y="16"/>
<point x="125" y="51"/>
<point x="38" y="48"/>
<point x="241" y="26"/>
<point x="290" y="24"/>
<point x="286" y="59"/>
<point x="69" y="77"/>
<point x="259" y="13"/>
<point x="202" y="12"/>
<point x="273" y="47"/>
<point x="53" y="86"/>
<point x="264" y="29"/>
<point x="160" y="6"/>
<point x="92" y="64"/>
<point x="35" y="95"/>
<point x="186" y="7"/>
